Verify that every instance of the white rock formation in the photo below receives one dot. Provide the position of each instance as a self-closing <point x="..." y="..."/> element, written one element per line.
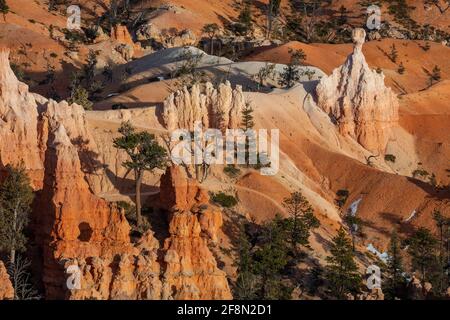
<point x="215" y="108"/>
<point x="18" y="123"/>
<point x="358" y="101"/>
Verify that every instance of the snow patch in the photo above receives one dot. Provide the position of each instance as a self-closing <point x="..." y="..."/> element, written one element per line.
<point x="354" y="207"/>
<point x="412" y="215"/>
<point x="382" y="256"/>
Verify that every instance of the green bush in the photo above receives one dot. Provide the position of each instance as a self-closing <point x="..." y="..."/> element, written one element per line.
<point x="390" y="157"/>
<point x="420" y="172"/>
<point x="226" y="201"/>
<point x="341" y="197"/>
<point x="231" y="171"/>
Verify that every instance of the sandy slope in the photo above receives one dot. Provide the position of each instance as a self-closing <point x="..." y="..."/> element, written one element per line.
<point x="417" y="62"/>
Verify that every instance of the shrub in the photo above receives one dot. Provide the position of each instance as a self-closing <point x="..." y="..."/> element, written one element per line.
<point x="390" y="157"/>
<point x="420" y="172"/>
<point x="231" y="171"/>
<point x="342" y="196"/>
<point x="225" y="200"/>
<point x="401" y="68"/>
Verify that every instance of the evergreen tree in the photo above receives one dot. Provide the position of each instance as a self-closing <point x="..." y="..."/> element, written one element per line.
<point x="267" y="71"/>
<point x="342" y="271"/>
<point x="435" y="75"/>
<point x="422" y="247"/>
<point x="355" y="225"/>
<point x="211" y="30"/>
<point x="401" y="68"/>
<point x="273" y="10"/>
<point x="145" y="155"/>
<point x="302" y="220"/>
<point x="342" y="15"/>
<point x="16" y="196"/>
<point x="4" y="9"/>
<point x="291" y="72"/>
<point x="441" y="279"/>
<point x="393" y="55"/>
<point x="395" y="283"/>
<point x="245" y="16"/>
<point x="270" y="259"/>
<point x="248" y="124"/>
<point x="246" y="283"/>
<point x="78" y="94"/>
<point x="89" y="70"/>
<point x="247" y="117"/>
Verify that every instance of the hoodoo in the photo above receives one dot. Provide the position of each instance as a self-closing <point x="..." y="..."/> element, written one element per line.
<point x="357" y="100"/>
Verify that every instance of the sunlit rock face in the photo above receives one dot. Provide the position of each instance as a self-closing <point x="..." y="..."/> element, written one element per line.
<point x="213" y="107"/>
<point x="357" y="100"/>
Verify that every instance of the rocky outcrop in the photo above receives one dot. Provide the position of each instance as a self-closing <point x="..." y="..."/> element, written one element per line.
<point x="18" y="115"/>
<point x="130" y="275"/>
<point x="6" y="288"/>
<point x="357" y="100"/>
<point x="80" y="234"/>
<point x="166" y="39"/>
<point x="191" y="269"/>
<point x="70" y="223"/>
<point x="419" y="291"/>
<point x="125" y="45"/>
<point x="215" y="108"/>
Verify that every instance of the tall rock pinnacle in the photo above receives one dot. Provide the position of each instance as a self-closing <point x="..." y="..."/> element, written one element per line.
<point x="357" y="100"/>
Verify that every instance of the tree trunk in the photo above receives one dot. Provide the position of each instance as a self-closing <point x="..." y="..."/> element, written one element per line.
<point x="139" y="177"/>
<point x="212" y="45"/>
<point x="12" y="257"/>
<point x="269" y="23"/>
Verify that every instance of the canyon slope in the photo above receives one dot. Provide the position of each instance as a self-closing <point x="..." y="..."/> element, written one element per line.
<point x="350" y="122"/>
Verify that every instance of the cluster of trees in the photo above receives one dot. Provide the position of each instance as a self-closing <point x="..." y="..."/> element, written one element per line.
<point x="265" y="255"/>
<point x="83" y="85"/>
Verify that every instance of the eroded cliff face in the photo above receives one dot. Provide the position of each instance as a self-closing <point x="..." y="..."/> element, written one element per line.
<point x="6" y="288"/>
<point x="191" y="269"/>
<point x="75" y="228"/>
<point x="215" y="108"/>
<point x="18" y="124"/>
<point x="357" y="100"/>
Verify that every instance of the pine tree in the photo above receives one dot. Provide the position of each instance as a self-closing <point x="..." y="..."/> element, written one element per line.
<point x="393" y="55"/>
<point x="4" y="9"/>
<point x="441" y="281"/>
<point x="291" y="73"/>
<point x="16" y="196"/>
<point x="435" y="75"/>
<point x="395" y="282"/>
<point x="89" y="70"/>
<point x="342" y="15"/>
<point x="355" y="226"/>
<point x="245" y="16"/>
<point x="302" y="220"/>
<point x="247" y="125"/>
<point x="145" y="155"/>
<point x="270" y="259"/>
<point x="342" y="271"/>
<point x="246" y="282"/>
<point x="273" y="11"/>
<point x="401" y="68"/>
<point x="247" y="117"/>
<point x="422" y="247"/>
<point x="78" y="94"/>
<point x="211" y="30"/>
